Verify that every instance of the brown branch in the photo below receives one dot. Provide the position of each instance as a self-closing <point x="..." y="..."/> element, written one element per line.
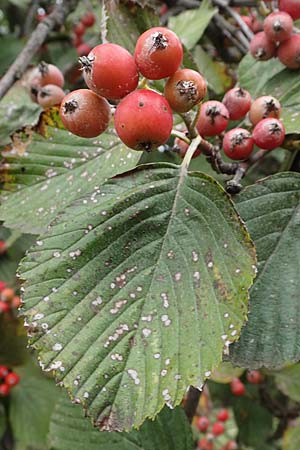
<point x="191" y="403"/>
<point x="17" y="69"/>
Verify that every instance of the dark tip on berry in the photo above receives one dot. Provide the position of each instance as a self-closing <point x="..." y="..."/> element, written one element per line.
<point x="45" y="93"/>
<point x="240" y="92"/>
<point x="275" y="128"/>
<point x="146" y="146"/>
<point x="34" y="91"/>
<point x="239" y="138"/>
<point x="159" y="41"/>
<point x="141" y="104"/>
<point x="86" y="62"/>
<point x="70" y="107"/>
<point x="43" y="68"/>
<point x="277" y="26"/>
<point x="187" y="89"/>
<point x="270" y="106"/>
<point x="260" y="53"/>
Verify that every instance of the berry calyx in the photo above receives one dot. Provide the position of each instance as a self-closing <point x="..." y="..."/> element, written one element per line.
<point x="185" y="89"/>
<point x="84" y="113"/>
<point x="223" y="415"/>
<point x="254" y="377"/>
<point x="238" y="144"/>
<point x="202" y="423"/>
<point x="110" y="71"/>
<point x="143" y="120"/>
<point x="278" y="26"/>
<point x="49" y="74"/>
<point x="158" y="53"/>
<point x="269" y="134"/>
<point x="292" y="7"/>
<point x="237" y="387"/>
<point x="4" y="390"/>
<point x="213" y="118"/>
<point x="12" y="379"/>
<point x="238" y="102"/>
<point x="261" y="47"/>
<point x="218" y="428"/>
<point x="263" y="107"/>
<point x="50" y="95"/>
<point x="3" y="371"/>
<point x="289" y="52"/>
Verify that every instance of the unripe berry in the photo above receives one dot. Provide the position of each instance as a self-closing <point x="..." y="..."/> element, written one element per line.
<point x="110" y="71"/>
<point x="12" y="379"/>
<point x="263" y="107"/>
<point x="202" y="423"/>
<point x="4" y="307"/>
<point x="237" y="387"/>
<point x="50" y="95"/>
<point x="158" y="53"/>
<point x="50" y="74"/>
<point x="238" y="102"/>
<point x="213" y="118"/>
<point x="84" y="113"/>
<point x="143" y="120"/>
<point x="183" y="146"/>
<point x="269" y="134"/>
<point x="238" y="144"/>
<point x="88" y="19"/>
<point x="218" y="428"/>
<point x="261" y="47"/>
<point x="3" y="371"/>
<point x="223" y="415"/>
<point x="4" y="390"/>
<point x="289" y="52"/>
<point x="292" y="7"/>
<point x="278" y="26"/>
<point x="185" y="89"/>
<point x="254" y="377"/>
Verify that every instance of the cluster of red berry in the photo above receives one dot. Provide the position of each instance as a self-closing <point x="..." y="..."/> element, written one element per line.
<point x="278" y="37"/>
<point x="8" y="298"/>
<point x="238" y="388"/>
<point x="212" y="431"/>
<point x="8" y="380"/>
<point x="79" y="30"/>
<point x="45" y="85"/>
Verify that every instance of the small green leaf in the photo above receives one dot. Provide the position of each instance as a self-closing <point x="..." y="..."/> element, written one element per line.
<point x="69" y="429"/>
<point x="288" y="381"/>
<point x="140" y="286"/>
<point x="271" y="211"/>
<point x="190" y="25"/>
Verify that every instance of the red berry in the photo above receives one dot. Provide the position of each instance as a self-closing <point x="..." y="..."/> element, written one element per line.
<point x="158" y="53"/>
<point x="2" y="286"/>
<point x="202" y="423"/>
<point x="143" y="120"/>
<point x="50" y="95"/>
<point x="83" y="49"/>
<point x="12" y="379"/>
<point x="289" y="52"/>
<point x="263" y="107"/>
<point x="110" y="71"/>
<point x="238" y="102"/>
<point x="292" y="7"/>
<point x="205" y="444"/>
<point x="47" y="74"/>
<point x="223" y="415"/>
<point x="213" y="118"/>
<point x="3" y="247"/>
<point x="238" y="144"/>
<point x="88" y="19"/>
<point x="77" y="41"/>
<point x="84" y="113"/>
<point x="231" y="445"/>
<point x="3" y="371"/>
<point x="218" y="428"/>
<point x="4" y="390"/>
<point x="254" y="377"/>
<point x="269" y="134"/>
<point x="185" y="89"/>
<point x="7" y="294"/>
<point x="79" y="29"/>
<point x="261" y="47"/>
<point x="16" y="302"/>
<point x="248" y="21"/>
<point x="237" y="387"/>
<point x="278" y="26"/>
<point x="4" y="307"/>
<point x="183" y="146"/>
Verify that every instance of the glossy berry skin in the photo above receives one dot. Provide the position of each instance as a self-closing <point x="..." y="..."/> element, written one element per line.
<point x="2" y="286"/>
<point x="292" y="7"/>
<point x="223" y="415"/>
<point x="12" y="379"/>
<point x="158" y="53"/>
<point x="238" y="144"/>
<point x="88" y="19"/>
<point x="289" y="52"/>
<point x="110" y="71"/>
<point x="269" y="134"/>
<point x="143" y="120"/>
<point x="50" y="95"/>
<point x="218" y="428"/>
<point x="4" y="390"/>
<point x="3" y="371"/>
<point x="213" y="118"/>
<point x="278" y="26"/>
<point x="183" y="146"/>
<point x="263" y="107"/>
<point x="202" y="423"/>
<point x="205" y="444"/>
<point x="4" y="307"/>
<point x="237" y="387"/>
<point x="185" y="89"/>
<point x="261" y="47"/>
<point x="50" y="74"/>
<point x="238" y="102"/>
<point x="84" y="113"/>
<point x="254" y="377"/>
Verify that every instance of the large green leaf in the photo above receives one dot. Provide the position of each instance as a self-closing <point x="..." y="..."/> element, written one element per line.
<point x="288" y="381"/>
<point x="136" y="290"/>
<point x="31" y="405"/>
<point x="272" y="78"/>
<point x="69" y="429"/>
<point x="55" y="170"/>
<point x="271" y="211"/>
<point x="191" y="24"/>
